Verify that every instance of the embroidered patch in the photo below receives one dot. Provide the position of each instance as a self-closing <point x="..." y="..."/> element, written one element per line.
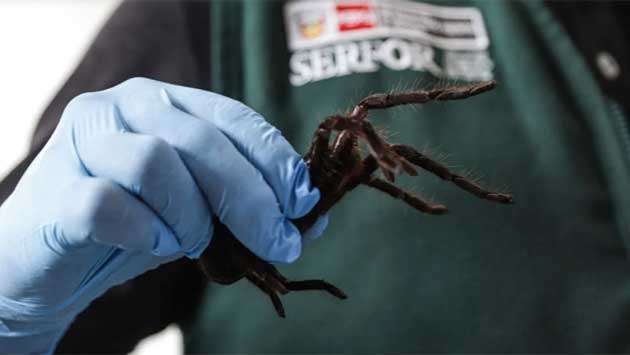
<point x="333" y="38"/>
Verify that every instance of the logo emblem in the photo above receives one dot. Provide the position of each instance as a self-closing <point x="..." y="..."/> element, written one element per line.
<point x="333" y="38"/>
<point x="311" y="23"/>
<point x="354" y="16"/>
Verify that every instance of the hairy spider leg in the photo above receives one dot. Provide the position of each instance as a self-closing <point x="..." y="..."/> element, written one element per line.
<point x="269" y="280"/>
<point x="390" y="162"/>
<point x="398" y="193"/>
<point x="276" y="284"/>
<point x="356" y="121"/>
<point x="443" y="172"/>
<point x="343" y="149"/>
<point x="383" y="101"/>
<point x="369" y="165"/>
<point x="317" y="285"/>
<point x="302" y="285"/>
<point x="275" y="299"/>
<point x="346" y="155"/>
<point x="319" y="149"/>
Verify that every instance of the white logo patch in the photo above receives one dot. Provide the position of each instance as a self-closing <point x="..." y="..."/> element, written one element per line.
<point x="332" y="38"/>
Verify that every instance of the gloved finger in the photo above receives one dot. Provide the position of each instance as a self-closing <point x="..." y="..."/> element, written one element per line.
<point x="102" y="211"/>
<point x="149" y="168"/>
<point x="261" y="143"/>
<point x="317" y="229"/>
<point x="236" y="191"/>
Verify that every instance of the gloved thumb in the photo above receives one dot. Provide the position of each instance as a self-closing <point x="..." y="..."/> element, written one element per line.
<point x="103" y="212"/>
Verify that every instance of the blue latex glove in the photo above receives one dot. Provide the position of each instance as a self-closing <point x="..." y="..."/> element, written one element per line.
<point x="130" y="180"/>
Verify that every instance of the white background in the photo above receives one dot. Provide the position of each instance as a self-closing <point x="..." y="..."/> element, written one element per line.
<point x="41" y="41"/>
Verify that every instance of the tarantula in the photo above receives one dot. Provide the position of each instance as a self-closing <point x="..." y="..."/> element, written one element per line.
<point x="336" y="169"/>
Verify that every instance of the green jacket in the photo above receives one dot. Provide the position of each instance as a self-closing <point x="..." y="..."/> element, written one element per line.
<point x="547" y="274"/>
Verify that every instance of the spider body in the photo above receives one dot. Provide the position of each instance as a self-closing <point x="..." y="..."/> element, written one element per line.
<point x="336" y="168"/>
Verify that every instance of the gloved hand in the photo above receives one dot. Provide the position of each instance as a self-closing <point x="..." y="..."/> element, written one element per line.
<point x="130" y="180"/>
